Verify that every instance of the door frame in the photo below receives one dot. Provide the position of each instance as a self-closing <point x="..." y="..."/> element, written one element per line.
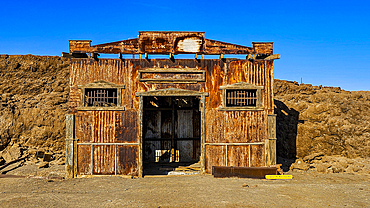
<point x="167" y="93"/>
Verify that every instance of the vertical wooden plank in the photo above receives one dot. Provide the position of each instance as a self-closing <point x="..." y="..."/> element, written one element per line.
<point x="202" y="134"/>
<point x="69" y="165"/>
<point x="140" y="124"/>
<point x="271" y="149"/>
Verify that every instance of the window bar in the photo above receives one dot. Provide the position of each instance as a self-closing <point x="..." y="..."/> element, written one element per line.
<point x="254" y="97"/>
<point x="246" y="95"/>
<point x="87" y="99"/>
<point x="100" y="97"/>
<point x="114" y="97"/>
<point x="94" y="101"/>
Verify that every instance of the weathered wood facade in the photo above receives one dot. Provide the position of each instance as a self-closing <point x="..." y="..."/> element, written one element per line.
<point x="191" y="109"/>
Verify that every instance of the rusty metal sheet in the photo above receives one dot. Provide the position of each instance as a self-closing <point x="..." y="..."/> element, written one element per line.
<point x="263" y="47"/>
<point x="238" y="156"/>
<point x="243" y="172"/>
<point x="171" y="42"/>
<point x="103" y="126"/>
<point x="215" y="156"/>
<point x="84" y="126"/>
<point x="130" y="46"/>
<point x="126" y="126"/>
<point x="171" y="76"/>
<point x="84" y="159"/>
<point x="82" y="46"/>
<point x="127" y="160"/>
<point x="218" y="47"/>
<point x="104" y="159"/>
<point x="257" y="155"/>
<point x="165" y="42"/>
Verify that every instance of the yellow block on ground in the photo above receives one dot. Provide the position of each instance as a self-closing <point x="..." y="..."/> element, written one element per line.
<point x="278" y="176"/>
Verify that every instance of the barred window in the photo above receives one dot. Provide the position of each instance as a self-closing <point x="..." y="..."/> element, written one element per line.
<point x="101" y="97"/>
<point x="241" y="98"/>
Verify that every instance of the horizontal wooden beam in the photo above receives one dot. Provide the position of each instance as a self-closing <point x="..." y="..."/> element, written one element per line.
<point x="170" y="43"/>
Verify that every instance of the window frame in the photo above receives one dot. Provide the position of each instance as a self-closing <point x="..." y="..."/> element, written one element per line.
<point x="242" y="86"/>
<point x="101" y="85"/>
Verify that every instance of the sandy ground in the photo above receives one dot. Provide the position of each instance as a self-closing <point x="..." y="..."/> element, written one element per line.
<point x="304" y="190"/>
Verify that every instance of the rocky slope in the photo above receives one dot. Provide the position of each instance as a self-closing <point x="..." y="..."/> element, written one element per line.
<point x="327" y="129"/>
<point x="310" y="119"/>
<point x="33" y="103"/>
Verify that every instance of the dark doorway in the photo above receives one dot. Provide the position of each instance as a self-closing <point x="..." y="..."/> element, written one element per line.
<point x="171" y="133"/>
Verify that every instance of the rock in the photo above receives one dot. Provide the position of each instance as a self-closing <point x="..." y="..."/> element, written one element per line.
<point x="44" y="165"/>
<point x="337" y="168"/>
<point x="322" y="168"/>
<point x="47" y="157"/>
<point x="343" y="163"/>
<point x="300" y="165"/>
<point x="11" y="153"/>
<point x="314" y="156"/>
<point x="353" y="169"/>
<point x="2" y="161"/>
<point x="61" y="161"/>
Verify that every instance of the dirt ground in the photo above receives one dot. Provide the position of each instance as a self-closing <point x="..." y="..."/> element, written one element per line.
<point x="304" y="190"/>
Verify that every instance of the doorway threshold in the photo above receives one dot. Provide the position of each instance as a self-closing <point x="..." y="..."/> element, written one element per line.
<point x="171" y="169"/>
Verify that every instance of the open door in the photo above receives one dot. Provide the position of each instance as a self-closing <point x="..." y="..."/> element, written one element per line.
<point x="171" y="132"/>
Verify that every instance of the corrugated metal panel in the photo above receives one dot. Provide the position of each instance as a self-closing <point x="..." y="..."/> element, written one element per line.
<point x="104" y="126"/>
<point x="238" y="156"/>
<point x="215" y="156"/>
<point x="84" y="160"/>
<point x="104" y="159"/>
<point x="126" y="126"/>
<point x="127" y="160"/>
<point x="257" y="155"/>
<point x="84" y="126"/>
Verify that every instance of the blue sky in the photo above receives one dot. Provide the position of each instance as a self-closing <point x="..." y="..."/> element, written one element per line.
<point x="324" y="42"/>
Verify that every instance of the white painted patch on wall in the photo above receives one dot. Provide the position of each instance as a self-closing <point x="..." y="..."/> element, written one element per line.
<point x="190" y="45"/>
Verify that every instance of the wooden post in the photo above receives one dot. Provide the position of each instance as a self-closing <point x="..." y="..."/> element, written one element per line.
<point x="270" y="143"/>
<point x="70" y="160"/>
<point x="140" y="121"/>
<point x="202" y="135"/>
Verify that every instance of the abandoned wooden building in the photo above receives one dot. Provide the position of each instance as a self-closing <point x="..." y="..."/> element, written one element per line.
<point x="134" y="110"/>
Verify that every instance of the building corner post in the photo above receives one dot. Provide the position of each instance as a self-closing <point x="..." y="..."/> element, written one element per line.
<point x="270" y="143"/>
<point x="70" y="147"/>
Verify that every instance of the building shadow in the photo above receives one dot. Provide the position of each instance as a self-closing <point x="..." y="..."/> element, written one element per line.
<point x="286" y="133"/>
